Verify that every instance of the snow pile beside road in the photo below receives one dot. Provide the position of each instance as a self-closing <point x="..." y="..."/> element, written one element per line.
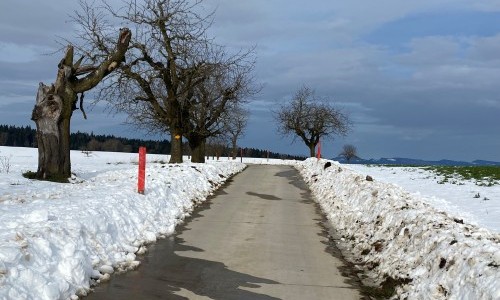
<point x="57" y="239"/>
<point x="479" y="205"/>
<point x="394" y="234"/>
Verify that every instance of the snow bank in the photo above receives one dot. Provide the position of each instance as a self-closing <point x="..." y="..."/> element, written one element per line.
<point x="478" y="205"/>
<point x="394" y="234"/>
<point x="58" y="239"/>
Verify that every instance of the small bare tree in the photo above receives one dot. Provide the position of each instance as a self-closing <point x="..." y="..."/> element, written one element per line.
<point x="5" y="164"/>
<point x="349" y="152"/>
<point x="217" y="145"/>
<point x="311" y="119"/>
<point x="235" y="124"/>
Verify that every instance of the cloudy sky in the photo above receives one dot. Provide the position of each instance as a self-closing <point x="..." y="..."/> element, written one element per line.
<point x="419" y="79"/>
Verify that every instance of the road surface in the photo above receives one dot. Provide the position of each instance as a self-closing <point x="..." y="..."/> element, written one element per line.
<point x="260" y="237"/>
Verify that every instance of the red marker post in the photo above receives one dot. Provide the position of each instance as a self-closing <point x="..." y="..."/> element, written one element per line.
<point x="142" y="170"/>
<point x="318" y="154"/>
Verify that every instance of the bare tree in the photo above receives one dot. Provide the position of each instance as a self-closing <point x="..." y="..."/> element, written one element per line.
<point x="217" y="145"/>
<point x="175" y="78"/>
<point x="349" y="152"/>
<point x="235" y="124"/>
<point x="226" y="85"/>
<point x="162" y="67"/>
<point x="310" y="118"/>
<point x="55" y="105"/>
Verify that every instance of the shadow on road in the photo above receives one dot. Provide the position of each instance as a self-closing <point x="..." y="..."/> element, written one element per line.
<point x="296" y="180"/>
<point x="264" y="196"/>
<point x="164" y="272"/>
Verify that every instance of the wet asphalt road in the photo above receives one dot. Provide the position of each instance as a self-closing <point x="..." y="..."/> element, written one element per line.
<point x="261" y="237"/>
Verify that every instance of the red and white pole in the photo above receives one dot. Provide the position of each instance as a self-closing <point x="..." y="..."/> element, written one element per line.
<point x="142" y="170"/>
<point x="318" y="154"/>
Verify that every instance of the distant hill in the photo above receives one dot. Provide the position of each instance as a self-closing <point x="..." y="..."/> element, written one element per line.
<point x="416" y="162"/>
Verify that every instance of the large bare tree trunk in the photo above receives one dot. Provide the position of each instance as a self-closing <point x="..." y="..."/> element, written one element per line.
<point x="234" y="146"/>
<point x="52" y="116"/>
<point x="175" y="146"/>
<point x="312" y="147"/>
<point x="55" y="105"/>
<point x="197" y="144"/>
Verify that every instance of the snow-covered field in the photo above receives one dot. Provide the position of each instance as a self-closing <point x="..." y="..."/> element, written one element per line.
<point x="56" y="239"/>
<point x="478" y="205"/>
<point x="391" y="233"/>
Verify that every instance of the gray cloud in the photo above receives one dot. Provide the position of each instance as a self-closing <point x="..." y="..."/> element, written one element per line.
<point x="427" y="96"/>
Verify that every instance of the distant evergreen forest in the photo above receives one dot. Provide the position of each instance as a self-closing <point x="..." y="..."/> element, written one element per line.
<point x="25" y="136"/>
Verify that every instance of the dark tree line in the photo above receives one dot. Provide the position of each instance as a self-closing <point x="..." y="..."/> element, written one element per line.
<point x="17" y="136"/>
<point x="25" y="136"/>
<point x="91" y="142"/>
<point x="259" y="153"/>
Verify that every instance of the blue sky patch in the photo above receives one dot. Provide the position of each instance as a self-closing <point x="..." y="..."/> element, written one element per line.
<point x="399" y="33"/>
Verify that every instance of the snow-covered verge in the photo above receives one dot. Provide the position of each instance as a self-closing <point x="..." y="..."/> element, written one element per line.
<point x="56" y="240"/>
<point x="394" y="234"/>
<point x="464" y="198"/>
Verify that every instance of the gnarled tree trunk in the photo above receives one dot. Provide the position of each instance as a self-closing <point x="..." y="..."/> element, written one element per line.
<point x="52" y="116"/>
<point x="55" y="105"/>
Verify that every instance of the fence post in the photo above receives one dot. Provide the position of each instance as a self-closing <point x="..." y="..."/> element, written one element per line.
<point x="142" y="170"/>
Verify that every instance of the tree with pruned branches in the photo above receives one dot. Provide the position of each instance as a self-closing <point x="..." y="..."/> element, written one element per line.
<point x="55" y="103"/>
<point x="311" y="119"/>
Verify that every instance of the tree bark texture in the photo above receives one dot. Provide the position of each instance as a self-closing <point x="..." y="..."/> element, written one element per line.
<point x="175" y="146"/>
<point x="312" y="147"/>
<point x="234" y="147"/>
<point x="51" y="116"/>
<point x="55" y="105"/>
<point x="197" y="145"/>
